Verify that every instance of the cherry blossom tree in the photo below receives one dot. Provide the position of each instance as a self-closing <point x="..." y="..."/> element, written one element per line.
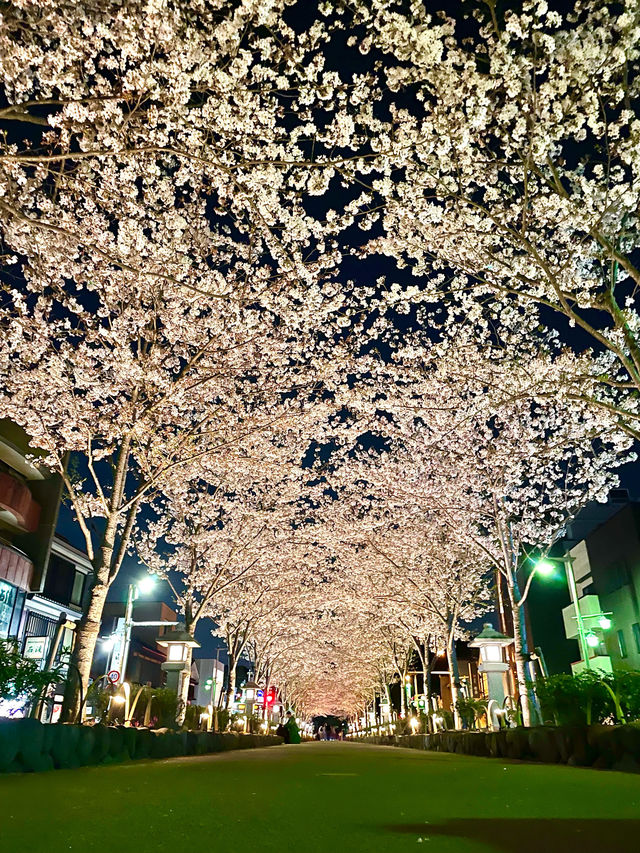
<point x="169" y="296"/>
<point x="205" y="542"/>
<point x="503" y="478"/>
<point x="518" y="143"/>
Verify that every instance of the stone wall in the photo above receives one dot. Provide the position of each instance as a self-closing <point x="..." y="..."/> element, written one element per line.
<point x="602" y="747"/>
<point x="28" y="745"/>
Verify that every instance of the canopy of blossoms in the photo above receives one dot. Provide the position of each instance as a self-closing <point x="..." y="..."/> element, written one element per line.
<point x="327" y="311"/>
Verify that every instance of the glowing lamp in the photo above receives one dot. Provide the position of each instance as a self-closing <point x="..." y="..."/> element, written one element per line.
<point x="593" y="641"/>
<point x="491" y="644"/>
<point x="146" y="584"/>
<point x="545" y="568"/>
<point x="177" y="643"/>
<point x="250" y="691"/>
<point x="604" y="622"/>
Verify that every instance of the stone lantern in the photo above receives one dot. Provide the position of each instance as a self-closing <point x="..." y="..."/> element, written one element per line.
<point x="177" y="642"/>
<point x="492" y="644"/>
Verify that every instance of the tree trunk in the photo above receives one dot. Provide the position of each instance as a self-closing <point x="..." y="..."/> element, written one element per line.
<point x="521" y="671"/>
<point x="231" y="687"/>
<point x="454" y="677"/>
<point x="86" y="637"/>
<point x="183" y="688"/>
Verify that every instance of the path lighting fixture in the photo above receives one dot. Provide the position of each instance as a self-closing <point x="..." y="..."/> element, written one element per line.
<point x="493" y="665"/>
<point x="249" y="695"/>
<point x="593" y="641"/>
<point x="177" y="642"/>
<point x="604" y="622"/>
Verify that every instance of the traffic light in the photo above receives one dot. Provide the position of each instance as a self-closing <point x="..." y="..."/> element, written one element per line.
<point x="271" y="697"/>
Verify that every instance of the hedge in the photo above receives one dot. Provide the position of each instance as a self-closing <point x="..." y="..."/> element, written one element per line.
<point x="601" y="747"/>
<point x="29" y="745"/>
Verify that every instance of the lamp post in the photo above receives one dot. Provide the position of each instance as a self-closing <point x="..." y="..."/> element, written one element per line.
<point x="546" y="567"/>
<point x="491" y="644"/>
<point x="177" y="642"/>
<point x="407" y="689"/>
<point x="134" y="590"/>
<point x="120" y="642"/>
<point x="250" y="694"/>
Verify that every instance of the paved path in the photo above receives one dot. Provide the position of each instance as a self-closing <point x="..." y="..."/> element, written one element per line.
<point x="321" y="798"/>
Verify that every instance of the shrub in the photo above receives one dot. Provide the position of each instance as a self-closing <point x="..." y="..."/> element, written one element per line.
<point x="22" y="680"/>
<point x="470" y="711"/>
<point x="192" y="716"/>
<point x="573" y="700"/>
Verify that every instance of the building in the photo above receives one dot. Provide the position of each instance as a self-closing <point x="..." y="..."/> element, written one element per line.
<point x="550" y="614"/>
<point x="42" y="576"/>
<point x="29" y="501"/>
<point x="607" y="570"/>
<point x="59" y="598"/>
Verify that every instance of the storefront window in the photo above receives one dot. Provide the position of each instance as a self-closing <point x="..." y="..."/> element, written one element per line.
<point x="7" y="605"/>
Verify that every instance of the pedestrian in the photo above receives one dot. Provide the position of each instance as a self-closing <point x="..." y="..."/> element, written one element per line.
<point x="321" y="733"/>
<point x="292" y="729"/>
<point x="282" y="732"/>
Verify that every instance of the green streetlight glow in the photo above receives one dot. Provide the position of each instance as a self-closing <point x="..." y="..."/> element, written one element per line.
<point x="604" y="622"/>
<point x="592" y="640"/>
<point x="545" y="568"/>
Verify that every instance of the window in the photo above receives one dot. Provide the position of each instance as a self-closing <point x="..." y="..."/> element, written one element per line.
<point x="64" y="583"/>
<point x="622" y="644"/>
<point x="78" y="588"/>
<point x="7" y="603"/>
<point x="636" y="635"/>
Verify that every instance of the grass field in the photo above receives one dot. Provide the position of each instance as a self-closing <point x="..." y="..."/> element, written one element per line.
<point x="322" y="798"/>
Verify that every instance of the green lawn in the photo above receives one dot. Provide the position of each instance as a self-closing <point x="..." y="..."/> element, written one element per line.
<point x="324" y="797"/>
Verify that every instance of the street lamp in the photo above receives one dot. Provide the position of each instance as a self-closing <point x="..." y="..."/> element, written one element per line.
<point x="586" y="639"/>
<point x="593" y="640"/>
<point x="143" y="585"/>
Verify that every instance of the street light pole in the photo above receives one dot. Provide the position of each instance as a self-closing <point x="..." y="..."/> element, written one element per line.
<point x="573" y="591"/>
<point x="132" y="594"/>
<point x="143" y="585"/>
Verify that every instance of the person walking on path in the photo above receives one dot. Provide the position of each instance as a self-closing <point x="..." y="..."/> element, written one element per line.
<point x="292" y="729"/>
